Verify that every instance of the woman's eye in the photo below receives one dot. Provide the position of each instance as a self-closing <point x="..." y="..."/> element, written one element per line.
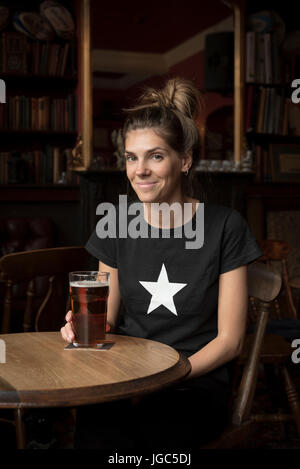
<point x="156" y="156"/>
<point x="129" y="157"/>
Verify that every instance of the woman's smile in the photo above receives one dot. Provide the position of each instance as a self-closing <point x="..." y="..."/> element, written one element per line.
<point x="145" y="185"/>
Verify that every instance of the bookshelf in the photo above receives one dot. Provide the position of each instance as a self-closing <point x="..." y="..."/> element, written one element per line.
<point x="271" y="124"/>
<point x="39" y="121"/>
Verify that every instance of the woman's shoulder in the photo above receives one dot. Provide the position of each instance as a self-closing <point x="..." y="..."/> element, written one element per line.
<point x="218" y="211"/>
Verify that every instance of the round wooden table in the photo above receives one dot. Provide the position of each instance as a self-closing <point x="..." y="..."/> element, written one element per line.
<point x="40" y="372"/>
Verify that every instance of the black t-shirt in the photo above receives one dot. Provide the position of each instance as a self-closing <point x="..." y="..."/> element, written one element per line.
<point x="169" y="292"/>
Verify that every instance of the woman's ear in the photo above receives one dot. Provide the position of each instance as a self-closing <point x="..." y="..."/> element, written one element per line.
<point x="186" y="161"/>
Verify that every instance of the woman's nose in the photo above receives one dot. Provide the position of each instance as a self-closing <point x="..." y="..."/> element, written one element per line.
<point x="142" y="168"/>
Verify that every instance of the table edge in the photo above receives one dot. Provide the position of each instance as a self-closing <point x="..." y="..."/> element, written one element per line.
<point x="66" y="397"/>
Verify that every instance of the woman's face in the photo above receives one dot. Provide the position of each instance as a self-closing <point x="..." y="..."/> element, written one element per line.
<point x="153" y="168"/>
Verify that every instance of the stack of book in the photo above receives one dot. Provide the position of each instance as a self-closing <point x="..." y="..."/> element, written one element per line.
<point x="50" y="59"/>
<point x="51" y="165"/>
<point x="43" y="113"/>
<point x="262" y="58"/>
<point x="267" y="110"/>
<point x="19" y="55"/>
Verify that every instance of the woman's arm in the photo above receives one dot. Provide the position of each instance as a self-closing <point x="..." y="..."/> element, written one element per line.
<point x="232" y="317"/>
<point x="114" y="298"/>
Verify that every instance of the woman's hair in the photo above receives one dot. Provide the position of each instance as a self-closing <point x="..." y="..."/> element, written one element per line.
<point x="171" y="112"/>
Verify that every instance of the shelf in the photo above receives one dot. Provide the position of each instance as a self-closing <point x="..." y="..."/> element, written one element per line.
<point x="103" y="170"/>
<point x="68" y="79"/>
<point x="197" y="172"/>
<point x="275" y="190"/>
<point x="227" y="173"/>
<point x="269" y="85"/>
<point x="38" y="132"/>
<point x="273" y="138"/>
<point x="39" y="193"/>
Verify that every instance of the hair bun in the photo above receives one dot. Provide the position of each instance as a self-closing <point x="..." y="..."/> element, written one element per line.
<point x="178" y="94"/>
<point x="182" y="95"/>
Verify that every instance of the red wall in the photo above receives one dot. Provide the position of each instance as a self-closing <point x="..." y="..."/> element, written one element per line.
<point x="192" y="69"/>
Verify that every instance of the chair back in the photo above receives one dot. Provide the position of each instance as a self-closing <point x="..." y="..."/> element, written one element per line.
<point x="278" y="251"/>
<point x="264" y="285"/>
<point x="55" y="263"/>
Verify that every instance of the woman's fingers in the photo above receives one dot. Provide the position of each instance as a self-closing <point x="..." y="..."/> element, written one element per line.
<point x="64" y="334"/>
<point x="69" y="316"/>
<point x="67" y="331"/>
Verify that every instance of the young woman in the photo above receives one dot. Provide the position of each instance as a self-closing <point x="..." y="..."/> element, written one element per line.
<point x="195" y="299"/>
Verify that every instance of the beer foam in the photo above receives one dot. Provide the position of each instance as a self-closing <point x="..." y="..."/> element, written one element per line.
<point x="88" y="284"/>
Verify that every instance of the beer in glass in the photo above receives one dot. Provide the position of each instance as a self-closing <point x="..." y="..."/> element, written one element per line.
<point x="89" y="292"/>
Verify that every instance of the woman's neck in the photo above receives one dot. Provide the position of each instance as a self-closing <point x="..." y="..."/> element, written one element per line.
<point x="166" y="215"/>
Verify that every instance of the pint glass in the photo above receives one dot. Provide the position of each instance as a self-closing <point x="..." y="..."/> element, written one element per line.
<point x="89" y="292"/>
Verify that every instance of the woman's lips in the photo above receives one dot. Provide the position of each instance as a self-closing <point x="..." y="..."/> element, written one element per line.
<point x="145" y="185"/>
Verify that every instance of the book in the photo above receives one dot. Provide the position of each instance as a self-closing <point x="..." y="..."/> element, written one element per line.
<point x="268" y="58"/>
<point x="261" y="110"/>
<point x="35" y="57"/>
<point x="266" y="112"/>
<point x="37" y="156"/>
<point x="265" y="169"/>
<point x="294" y="119"/>
<point x="57" y="53"/>
<point x="14" y="46"/>
<point x="44" y="58"/>
<point x="1" y="54"/>
<point x="271" y="112"/>
<point x="62" y="69"/>
<point x="4" y="167"/>
<point x="249" y="103"/>
<point x="53" y="58"/>
<point x="275" y="58"/>
<point x="41" y="111"/>
<point x="260" y="61"/>
<point x="56" y="165"/>
<point x="34" y="113"/>
<point x="2" y="115"/>
<point x="69" y="165"/>
<point x="250" y="56"/>
<point x="28" y="158"/>
<point x="284" y="129"/>
<point x="17" y="111"/>
<point x="258" y="163"/>
<point x="49" y="164"/>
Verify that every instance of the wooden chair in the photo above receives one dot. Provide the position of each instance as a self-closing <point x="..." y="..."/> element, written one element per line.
<point x="26" y="266"/>
<point x="264" y="285"/>
<point x="55" y="263"/>
<point x="278" y="251"/>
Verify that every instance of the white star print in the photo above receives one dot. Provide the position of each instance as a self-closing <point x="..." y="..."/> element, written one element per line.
<point x="162" y="292"/>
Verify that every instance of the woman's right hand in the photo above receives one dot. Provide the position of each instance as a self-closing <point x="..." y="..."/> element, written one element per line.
<point x="67" y="331"/>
